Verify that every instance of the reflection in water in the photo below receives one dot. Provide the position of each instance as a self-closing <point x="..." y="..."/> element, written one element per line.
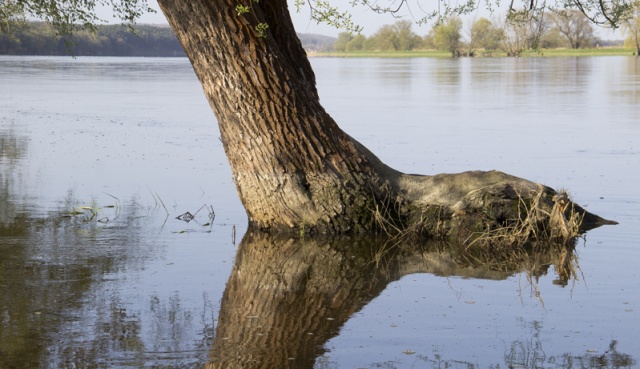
<point x="448" y="75"/>
<point x="394" y="73"/>
<point x="54" y="310"/>
<point x="13" y="148"/>
<point x="286" y="298"/>
<point x="521" y="76"/>
<point x="75" y="292"/>
<point x="624" y="83"/>
<point x="531" y="354"/>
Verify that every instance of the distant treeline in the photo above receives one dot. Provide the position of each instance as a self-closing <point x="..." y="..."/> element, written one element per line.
<point x="571" y="30"/>
<point x="316" y="43"/>
<point x="39" y="38"/>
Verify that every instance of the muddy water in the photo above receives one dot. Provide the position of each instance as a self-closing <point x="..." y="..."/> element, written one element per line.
<point x="98" y="156"/>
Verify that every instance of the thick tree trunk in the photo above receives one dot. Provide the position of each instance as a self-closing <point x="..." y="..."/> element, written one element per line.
<point x="294" y="168"/>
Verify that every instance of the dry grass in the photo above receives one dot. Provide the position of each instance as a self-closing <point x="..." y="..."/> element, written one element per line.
<point x="398" y="233"/>
<point x="533" y="223"/>
<point x="537" y="223"/>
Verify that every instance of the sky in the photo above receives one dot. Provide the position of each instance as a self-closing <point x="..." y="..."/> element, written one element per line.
<point x="364" y="17"/>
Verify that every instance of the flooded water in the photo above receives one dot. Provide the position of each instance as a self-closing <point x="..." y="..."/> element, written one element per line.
<point x="99" y="157"/>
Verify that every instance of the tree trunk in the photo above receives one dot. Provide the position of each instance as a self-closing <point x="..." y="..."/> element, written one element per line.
<point x="294" y="168"/>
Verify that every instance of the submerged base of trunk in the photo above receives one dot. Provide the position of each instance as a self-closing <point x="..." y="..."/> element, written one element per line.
<point x="474" y="208"/>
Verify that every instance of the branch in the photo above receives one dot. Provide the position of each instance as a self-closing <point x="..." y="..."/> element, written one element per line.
<point x="323" y="12"/>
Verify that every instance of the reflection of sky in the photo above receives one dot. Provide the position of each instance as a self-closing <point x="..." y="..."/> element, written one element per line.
<point x="132" y="126"/>
<point x="561" y="108"/>
<point x="83" y="130"/>
<point x="566" y="122"/>
<point x="458" y="318"/>
<point x="145" y="151"/>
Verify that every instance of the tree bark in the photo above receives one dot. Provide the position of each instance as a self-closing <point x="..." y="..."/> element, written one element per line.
<point x="294" y="168"/>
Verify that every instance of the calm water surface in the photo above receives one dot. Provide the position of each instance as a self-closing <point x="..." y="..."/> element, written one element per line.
<point x="98" y="156"/>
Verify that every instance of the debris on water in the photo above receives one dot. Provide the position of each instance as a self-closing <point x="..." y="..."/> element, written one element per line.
<point x="185" y="231"/>
<point x="408" y="352"/>
<point x="187" y="217"/>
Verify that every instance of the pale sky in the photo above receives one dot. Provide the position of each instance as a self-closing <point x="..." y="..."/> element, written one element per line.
<point x="363" y="17"/>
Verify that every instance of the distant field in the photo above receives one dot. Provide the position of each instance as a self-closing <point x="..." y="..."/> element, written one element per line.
<point x="443" y="54"/>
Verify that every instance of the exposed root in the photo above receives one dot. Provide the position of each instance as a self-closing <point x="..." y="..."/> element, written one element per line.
<point x="509" y="214"/>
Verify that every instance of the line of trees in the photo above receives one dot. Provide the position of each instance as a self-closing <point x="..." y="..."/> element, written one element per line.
<point x="563" y="29"/>
<point x="39" y="38"/>
<point x="631" y="28"/>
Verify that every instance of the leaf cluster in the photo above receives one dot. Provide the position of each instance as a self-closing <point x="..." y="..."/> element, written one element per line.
<point x="322" y="11"/>
<point x="246" y="9"/>
<point x="11" y="15"/>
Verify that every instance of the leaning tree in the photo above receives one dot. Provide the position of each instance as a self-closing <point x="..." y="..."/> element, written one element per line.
<point x="295" y="170"/>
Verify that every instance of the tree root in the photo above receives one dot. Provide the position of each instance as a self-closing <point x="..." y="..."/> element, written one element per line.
<point x="485" y="210"/>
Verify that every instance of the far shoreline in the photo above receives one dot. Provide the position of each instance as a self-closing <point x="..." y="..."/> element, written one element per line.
<point x="603" y="51"/>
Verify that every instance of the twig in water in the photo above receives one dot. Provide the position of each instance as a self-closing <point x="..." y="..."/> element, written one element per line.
<point x="196" y="213"/>
<point x="162" y="202"/>
<point x="233" y="235"/>
<point x="212" y="214"/>
<point x="117" y="203"/>
<point x="157" y="199"/>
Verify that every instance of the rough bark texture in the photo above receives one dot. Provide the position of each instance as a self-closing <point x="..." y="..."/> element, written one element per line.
<point x="286" y="298"/>
<point x="294" y="168"/>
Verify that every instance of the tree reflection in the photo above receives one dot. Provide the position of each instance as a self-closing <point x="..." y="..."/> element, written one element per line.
<point x="286" y="298"/>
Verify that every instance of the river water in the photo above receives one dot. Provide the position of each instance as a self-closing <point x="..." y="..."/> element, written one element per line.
<point x="99" y="157"/>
